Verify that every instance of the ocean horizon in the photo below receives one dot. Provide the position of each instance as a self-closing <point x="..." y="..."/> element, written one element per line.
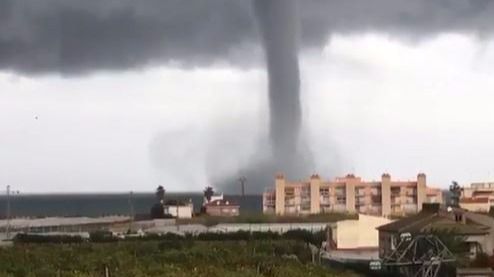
<point x="106" y="203"/>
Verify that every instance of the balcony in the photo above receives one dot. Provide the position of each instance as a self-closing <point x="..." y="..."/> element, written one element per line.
<point x="324" y="201"/>
<point x="376" y="199"/>
<point x="269" y="203"/>
<point x="289" y="203"/>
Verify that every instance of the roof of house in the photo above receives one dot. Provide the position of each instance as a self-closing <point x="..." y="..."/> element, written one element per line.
<point x="221" y="203"/>
<point x="426" y="220"/>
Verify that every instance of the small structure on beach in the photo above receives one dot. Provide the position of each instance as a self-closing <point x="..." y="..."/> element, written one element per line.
<point x="222" y="208"/>
<point x="178" y="209"/>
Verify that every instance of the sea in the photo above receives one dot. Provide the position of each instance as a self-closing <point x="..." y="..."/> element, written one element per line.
<point x="95" y="205"/>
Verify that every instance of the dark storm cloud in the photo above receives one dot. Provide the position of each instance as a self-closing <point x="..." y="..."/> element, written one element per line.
<point x="72" y="36"/>
<point x="80" y="36"/>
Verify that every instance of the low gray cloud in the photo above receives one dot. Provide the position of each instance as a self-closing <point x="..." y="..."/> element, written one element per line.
<point x="76" y="37"/>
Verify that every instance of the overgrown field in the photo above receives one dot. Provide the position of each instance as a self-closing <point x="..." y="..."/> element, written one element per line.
<point x="163" y="258"/>
<point x="267" y="218"/>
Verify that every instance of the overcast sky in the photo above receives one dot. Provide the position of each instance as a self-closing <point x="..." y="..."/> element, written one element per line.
<point x="374" y="101"/>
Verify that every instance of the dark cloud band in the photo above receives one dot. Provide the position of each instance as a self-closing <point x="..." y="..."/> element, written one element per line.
<point x="74" y="37"/>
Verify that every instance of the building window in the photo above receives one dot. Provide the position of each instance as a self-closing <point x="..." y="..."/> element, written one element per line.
<point x="341" y="200"/>
<point x="340" y="191"/>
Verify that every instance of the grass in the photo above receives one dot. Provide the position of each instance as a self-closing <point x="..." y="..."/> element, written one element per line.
<point x="163" y="258"/>
<point x="265" y="218"/>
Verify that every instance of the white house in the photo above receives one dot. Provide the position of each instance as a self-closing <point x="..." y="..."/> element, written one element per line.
<point x="213" y="198"/>
<point x="179" y="209"/>
<point x="356" y="233"/>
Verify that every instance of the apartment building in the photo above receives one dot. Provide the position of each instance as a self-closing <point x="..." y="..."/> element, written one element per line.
<point x="479" y="197"/>
<point x="349" y="194"/>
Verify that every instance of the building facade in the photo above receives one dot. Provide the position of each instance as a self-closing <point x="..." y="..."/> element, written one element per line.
<point x="222" y="208"/>
<point x="179" y="209"/>
<point x="349" y="194"/>
<point x="479" y="197"/>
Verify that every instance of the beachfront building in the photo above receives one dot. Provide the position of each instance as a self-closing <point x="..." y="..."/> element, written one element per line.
<point x="222" y="208"/>
<point x="349" y="194"/>
<point x="479" y="197"/>
<point x="178" y="209"/>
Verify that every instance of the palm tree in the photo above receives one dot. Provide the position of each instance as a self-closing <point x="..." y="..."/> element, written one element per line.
<point x="208" y="193"/>
<point x="455" y="191"/>
<point x="160" y="194"/>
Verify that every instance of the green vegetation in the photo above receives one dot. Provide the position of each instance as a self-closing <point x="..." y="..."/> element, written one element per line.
<point x="315" y="238"/>
<point x="266" y="218"/>
<point x="455" y="191"/>
<point x="164" y="257"/>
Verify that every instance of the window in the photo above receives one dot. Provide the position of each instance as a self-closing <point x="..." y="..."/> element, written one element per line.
<point x="341" y="200"/>
<point x="324" y="192"/>
<point x="340" y="191"/>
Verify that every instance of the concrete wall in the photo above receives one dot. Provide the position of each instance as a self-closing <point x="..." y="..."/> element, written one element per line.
<point x="386" y="194"/>
<point x="350" y="194"/>
<point x="359" y="233"/>
<point x="315" y="184"/>
<point x="421" y="190"/>
<point x="280" y="195"/>
<point x="180" y="212"/>
<point x="234" y="227"/>
<point x="476" y="207"/>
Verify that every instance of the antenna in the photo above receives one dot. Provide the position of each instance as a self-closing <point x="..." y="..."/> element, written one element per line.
<point x="242" y="181"/>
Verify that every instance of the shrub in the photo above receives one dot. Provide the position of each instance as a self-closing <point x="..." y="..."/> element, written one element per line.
<point x="102" y="236"/>
<point x="32" y="238"/>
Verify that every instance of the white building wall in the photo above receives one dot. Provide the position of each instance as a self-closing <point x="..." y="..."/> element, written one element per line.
<point x="183" y="211"/>
<point x="361" y="233"/>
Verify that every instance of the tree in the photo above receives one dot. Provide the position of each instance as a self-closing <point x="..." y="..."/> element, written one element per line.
<point x="455" y="191"/>
<point x="160" y="194"/>
<point x="157" y="211"/>
<point x="208" y="193"/>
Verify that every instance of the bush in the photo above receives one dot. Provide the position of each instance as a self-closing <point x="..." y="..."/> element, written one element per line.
<point x="303" y="235"/>
<point x="102" y="236"/>
<point x="161" y="258"/>
<point x="32" y="238"/>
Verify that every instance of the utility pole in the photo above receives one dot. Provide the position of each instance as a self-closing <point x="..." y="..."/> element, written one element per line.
<point x="131" y="210"/>
<point x="242" y="181"/>
<point x="8" y="213"/>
